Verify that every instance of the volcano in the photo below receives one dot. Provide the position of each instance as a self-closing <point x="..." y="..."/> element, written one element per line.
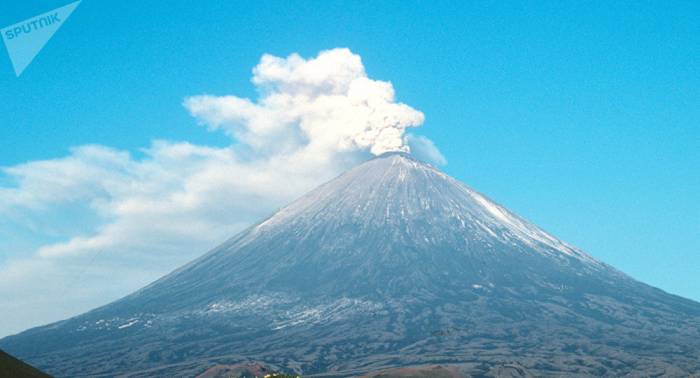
<point x="391" y="265"/>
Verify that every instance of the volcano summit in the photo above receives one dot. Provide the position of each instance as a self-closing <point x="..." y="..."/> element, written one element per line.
<point x="392" y="264"/>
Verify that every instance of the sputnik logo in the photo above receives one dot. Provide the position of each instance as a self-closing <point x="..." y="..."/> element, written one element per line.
<point x="25" y="39"/>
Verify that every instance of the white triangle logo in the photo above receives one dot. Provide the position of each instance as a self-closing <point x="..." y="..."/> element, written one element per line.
<point x="25" y="39"/>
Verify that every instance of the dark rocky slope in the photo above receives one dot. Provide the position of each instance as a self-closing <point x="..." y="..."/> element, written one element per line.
<point x="391" y="264"/>
<point x="11" y="367"/>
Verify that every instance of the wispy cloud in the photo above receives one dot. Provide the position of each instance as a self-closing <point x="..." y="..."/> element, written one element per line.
<point x="424" y="149"/>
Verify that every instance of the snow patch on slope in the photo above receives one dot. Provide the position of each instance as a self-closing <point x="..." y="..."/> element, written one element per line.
<point x="326" y="313"/>
<point x="397" y="190"/>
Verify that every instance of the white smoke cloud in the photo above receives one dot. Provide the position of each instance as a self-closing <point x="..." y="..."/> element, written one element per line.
<point x="323" y="105"/>
<point x="100" y="223"/>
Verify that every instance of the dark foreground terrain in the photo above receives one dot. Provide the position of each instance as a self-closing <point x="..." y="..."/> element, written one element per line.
<point x="391" y="265"/>
<point x="251" y="370"/>
<point x="11" y="367"/>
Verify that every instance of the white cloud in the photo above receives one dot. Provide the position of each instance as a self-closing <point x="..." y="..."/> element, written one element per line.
<point x="320" y="106"/>
<point x="115" y="222"/>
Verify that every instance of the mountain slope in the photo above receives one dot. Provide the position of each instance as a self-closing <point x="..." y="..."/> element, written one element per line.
<point x="391" y="264"/>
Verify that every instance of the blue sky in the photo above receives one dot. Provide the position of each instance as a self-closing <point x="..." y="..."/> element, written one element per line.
<point x="583" y="117"/>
